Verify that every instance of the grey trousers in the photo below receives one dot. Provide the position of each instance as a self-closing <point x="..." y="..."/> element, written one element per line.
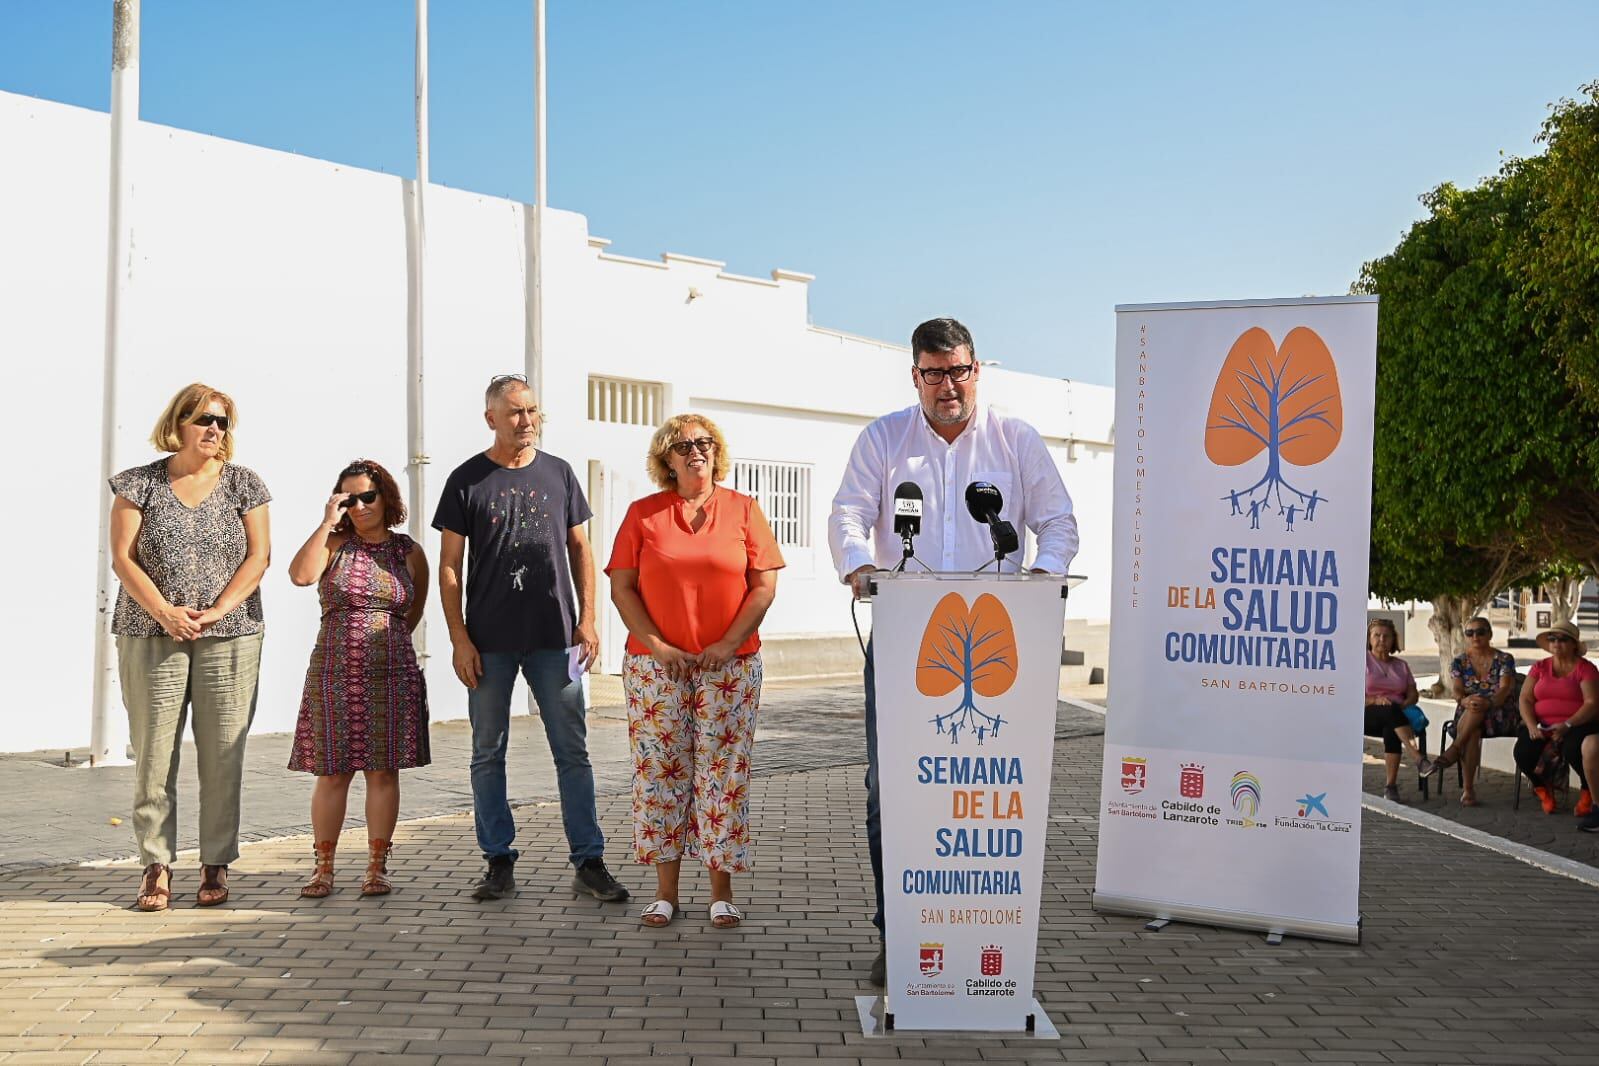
<point x="161" y="679"/>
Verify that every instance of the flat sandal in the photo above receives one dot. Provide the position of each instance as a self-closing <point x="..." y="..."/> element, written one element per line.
<point x="150" y="888"/>
<point x="213" y="890"/>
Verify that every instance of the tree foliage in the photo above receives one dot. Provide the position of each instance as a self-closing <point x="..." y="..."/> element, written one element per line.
<point x="1557" y="260"/>
<point x="1478" y="438"/>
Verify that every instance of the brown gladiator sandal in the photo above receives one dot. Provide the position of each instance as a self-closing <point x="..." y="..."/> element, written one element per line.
<point x="376" y="882"/>
<point x="152" y="897"/>
<point x="213" y="891"/>
<point x="321" y="883"/>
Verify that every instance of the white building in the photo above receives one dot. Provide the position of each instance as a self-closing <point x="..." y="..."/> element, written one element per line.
<point x="283" y="281"/>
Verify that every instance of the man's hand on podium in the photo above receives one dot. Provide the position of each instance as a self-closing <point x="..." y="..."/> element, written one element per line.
<point x="858" y="578"/>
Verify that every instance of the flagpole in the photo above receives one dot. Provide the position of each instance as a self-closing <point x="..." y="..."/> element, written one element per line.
<point x="415" y="393"/>
<point x="535" y="351"/>
<point x="107" y="731"/>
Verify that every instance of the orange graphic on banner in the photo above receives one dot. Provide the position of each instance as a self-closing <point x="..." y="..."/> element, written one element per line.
<point x="1284" y="401"/>
<point x="971" y="649"/>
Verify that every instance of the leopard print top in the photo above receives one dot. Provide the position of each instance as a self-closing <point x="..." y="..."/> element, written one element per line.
<point x="191" y="553"/>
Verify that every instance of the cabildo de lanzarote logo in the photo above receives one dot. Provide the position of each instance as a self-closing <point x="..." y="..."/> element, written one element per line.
<point x="972" y="649"/>
<point x="1283" y="401"/>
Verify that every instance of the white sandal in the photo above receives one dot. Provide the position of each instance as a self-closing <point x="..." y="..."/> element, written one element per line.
<point x="658" y="914"/>
<point x="724" y="915"/>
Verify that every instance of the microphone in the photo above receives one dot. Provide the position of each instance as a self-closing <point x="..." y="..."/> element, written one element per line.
<point x="907" y="516"/>
<point x="908" y="509"/>
<point x="984" y="501"/>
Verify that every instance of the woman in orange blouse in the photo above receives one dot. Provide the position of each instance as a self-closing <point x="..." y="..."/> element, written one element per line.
<point x="693" y="572"/>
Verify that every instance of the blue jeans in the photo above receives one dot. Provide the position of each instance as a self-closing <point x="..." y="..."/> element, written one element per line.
<point x="874" y="796"/>
<point x="560" y="701"/>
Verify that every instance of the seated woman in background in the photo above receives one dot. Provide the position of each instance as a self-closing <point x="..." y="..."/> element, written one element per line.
<point x="1484" y="680"/>
<point x="1390" y="688"/>
<point x="1559" y="708"/>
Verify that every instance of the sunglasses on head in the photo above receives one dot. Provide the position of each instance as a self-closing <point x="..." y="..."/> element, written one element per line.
<point x="369" y="497"/>
<point x="704" y="444"/>
<point x="209" y="419"/>
<point x="1480" y="632"/>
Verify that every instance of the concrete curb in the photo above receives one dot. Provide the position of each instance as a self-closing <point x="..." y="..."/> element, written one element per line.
<point x="1543" y="860"/>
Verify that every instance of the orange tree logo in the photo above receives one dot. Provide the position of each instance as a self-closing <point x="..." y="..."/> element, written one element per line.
<point x="1284" y="402"/>
<point x="971" y="649"/>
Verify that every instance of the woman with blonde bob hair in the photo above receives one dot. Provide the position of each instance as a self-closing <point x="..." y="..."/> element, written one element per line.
<point x="693" y="572"/>
<point x="189" y="543"/>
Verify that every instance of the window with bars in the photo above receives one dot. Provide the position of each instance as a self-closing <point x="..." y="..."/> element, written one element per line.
<point x="632" y="403"/>
<point x="784" y="493"/>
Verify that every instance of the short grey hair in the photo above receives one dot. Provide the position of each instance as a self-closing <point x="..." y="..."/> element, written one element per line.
<point x="500" y="384"/>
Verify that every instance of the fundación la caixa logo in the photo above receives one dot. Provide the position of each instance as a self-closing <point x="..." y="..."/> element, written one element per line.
<point x="1281" y="400"/>
<point x="972" y="649"/>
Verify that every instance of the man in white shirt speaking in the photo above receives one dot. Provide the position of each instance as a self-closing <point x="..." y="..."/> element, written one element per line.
<point x="942" y="443"/>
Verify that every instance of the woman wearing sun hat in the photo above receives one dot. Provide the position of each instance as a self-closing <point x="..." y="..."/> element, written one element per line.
<point x="1559" y="713"/>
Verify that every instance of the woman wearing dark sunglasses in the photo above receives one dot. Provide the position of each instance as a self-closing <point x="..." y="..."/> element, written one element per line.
<point x="1559" y="713"/>
<point x="365" y="703"/>
<point x="1484" y="681"/>
<point x="189" y="543"/>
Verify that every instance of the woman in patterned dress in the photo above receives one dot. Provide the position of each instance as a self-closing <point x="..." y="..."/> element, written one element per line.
<point x="1484" y="680"/>
<point x="365" y="702"/>
<point x="693" y="572"/>
<point x="189" y="543"/>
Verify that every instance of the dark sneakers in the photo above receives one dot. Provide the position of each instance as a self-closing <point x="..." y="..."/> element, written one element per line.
<point x="498" y="881"/>
<point x="1589" y="823"/>
<point x="879" y="974"/>
<point x="593" y="879"/>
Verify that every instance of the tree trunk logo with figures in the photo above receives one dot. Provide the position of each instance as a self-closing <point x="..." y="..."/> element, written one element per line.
<point x="1283" y="401"/>
<point x="973" y="650"/>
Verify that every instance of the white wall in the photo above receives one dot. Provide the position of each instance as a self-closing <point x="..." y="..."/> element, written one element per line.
<point x="283" y="281"/>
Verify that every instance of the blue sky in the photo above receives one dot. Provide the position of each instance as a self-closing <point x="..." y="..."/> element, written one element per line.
<point x="1022" y="166"/>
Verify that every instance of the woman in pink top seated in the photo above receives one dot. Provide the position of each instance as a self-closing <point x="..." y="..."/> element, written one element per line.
<point x="1390" y="688"/>
<point x="1560" y="719"/>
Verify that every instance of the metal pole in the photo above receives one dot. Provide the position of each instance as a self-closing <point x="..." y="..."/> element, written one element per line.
<point x="535" y="352"/>
<point x="107" y="731"/>
<point x="416" y="429"/>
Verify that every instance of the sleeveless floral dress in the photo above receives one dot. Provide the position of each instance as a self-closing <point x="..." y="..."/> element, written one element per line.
<point x="365" y="701"/>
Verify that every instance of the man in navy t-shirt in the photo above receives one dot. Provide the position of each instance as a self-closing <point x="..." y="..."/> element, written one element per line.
<point x="517" y="514"/>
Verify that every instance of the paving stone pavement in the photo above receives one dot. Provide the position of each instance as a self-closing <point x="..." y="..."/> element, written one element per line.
<point x="1450" y="968"/>
<point x="51" y="815"/>
<point x="1555" y="833"/>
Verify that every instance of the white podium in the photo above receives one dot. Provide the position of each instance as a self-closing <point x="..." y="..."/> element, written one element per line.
<point x="968" y="669"/>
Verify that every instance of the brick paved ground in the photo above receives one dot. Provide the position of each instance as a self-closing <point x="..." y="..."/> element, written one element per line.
<point x="1555" y="833"/>
<point x="1454" y="966"/>
<point x="1468" y="956"/>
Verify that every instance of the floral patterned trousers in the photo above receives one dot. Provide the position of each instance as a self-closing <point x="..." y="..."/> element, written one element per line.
<point x="691" y="744"/>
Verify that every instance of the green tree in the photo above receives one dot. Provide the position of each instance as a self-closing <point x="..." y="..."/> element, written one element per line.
<point x="1557" y="260"/>
<point x="1477" y="438"/>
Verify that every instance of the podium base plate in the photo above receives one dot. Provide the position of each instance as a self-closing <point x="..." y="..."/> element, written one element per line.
<point x="870" y="1009"/>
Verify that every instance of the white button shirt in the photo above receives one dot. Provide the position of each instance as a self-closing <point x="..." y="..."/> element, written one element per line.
<point x="1003" y="451"/>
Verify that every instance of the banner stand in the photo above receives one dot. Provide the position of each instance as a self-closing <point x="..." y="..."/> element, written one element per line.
<point x="1230" y="791"/>
<point x="870" y="1010"/>
<point x="1164" y="911"/>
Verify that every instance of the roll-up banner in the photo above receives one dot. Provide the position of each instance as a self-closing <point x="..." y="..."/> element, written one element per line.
<point x="967" y="668"/>
<point x="1231" y="785"/>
